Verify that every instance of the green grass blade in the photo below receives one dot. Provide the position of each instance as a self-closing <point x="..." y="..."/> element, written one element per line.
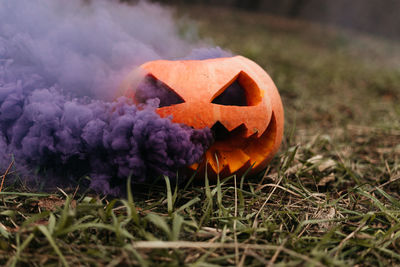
<point x="52" y="242"/>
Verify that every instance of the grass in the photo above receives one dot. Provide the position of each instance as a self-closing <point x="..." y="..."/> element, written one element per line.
<point x="330" y="198"/>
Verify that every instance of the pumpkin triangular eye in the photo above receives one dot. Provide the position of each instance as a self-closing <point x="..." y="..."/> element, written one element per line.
<point x="242" y="91"/>
<point x="151" y="88"/>
<point x="234" y="95"/>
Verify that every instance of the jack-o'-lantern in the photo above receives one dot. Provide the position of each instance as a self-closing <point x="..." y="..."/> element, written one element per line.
<point x="233" y="96"/>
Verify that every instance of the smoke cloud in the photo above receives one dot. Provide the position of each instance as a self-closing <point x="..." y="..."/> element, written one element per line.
<point x="61" y="63"/>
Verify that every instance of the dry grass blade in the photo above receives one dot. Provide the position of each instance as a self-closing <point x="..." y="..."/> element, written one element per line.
<point x="280" y="187"/>
<point x="5" y="174"/>
<point x="241" y="263"/>
<point x="235" y="225"/>
<point x="207" y="245"/>
<point x="266" y="201"/>
<point x="276" y="254"/>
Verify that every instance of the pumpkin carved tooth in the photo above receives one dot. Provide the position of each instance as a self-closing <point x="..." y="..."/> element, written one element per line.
<point x="233" y="96"/>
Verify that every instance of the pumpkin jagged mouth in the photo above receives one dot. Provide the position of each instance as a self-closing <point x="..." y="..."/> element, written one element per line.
<point x="233" y="152"/>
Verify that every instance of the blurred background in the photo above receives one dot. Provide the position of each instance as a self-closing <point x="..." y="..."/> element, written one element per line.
<point x="374" y="16"/>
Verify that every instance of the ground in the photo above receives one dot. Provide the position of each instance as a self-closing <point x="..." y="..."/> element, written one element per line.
<point x="330" y="197"/>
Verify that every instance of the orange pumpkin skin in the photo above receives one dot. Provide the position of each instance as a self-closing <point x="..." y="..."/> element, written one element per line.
<point x="255" y="130"/>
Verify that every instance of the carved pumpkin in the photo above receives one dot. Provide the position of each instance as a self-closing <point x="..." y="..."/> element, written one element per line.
<point x="233" y="96"/>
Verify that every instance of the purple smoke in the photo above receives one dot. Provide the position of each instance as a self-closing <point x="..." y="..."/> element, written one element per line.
<point x="61" y="63"/>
